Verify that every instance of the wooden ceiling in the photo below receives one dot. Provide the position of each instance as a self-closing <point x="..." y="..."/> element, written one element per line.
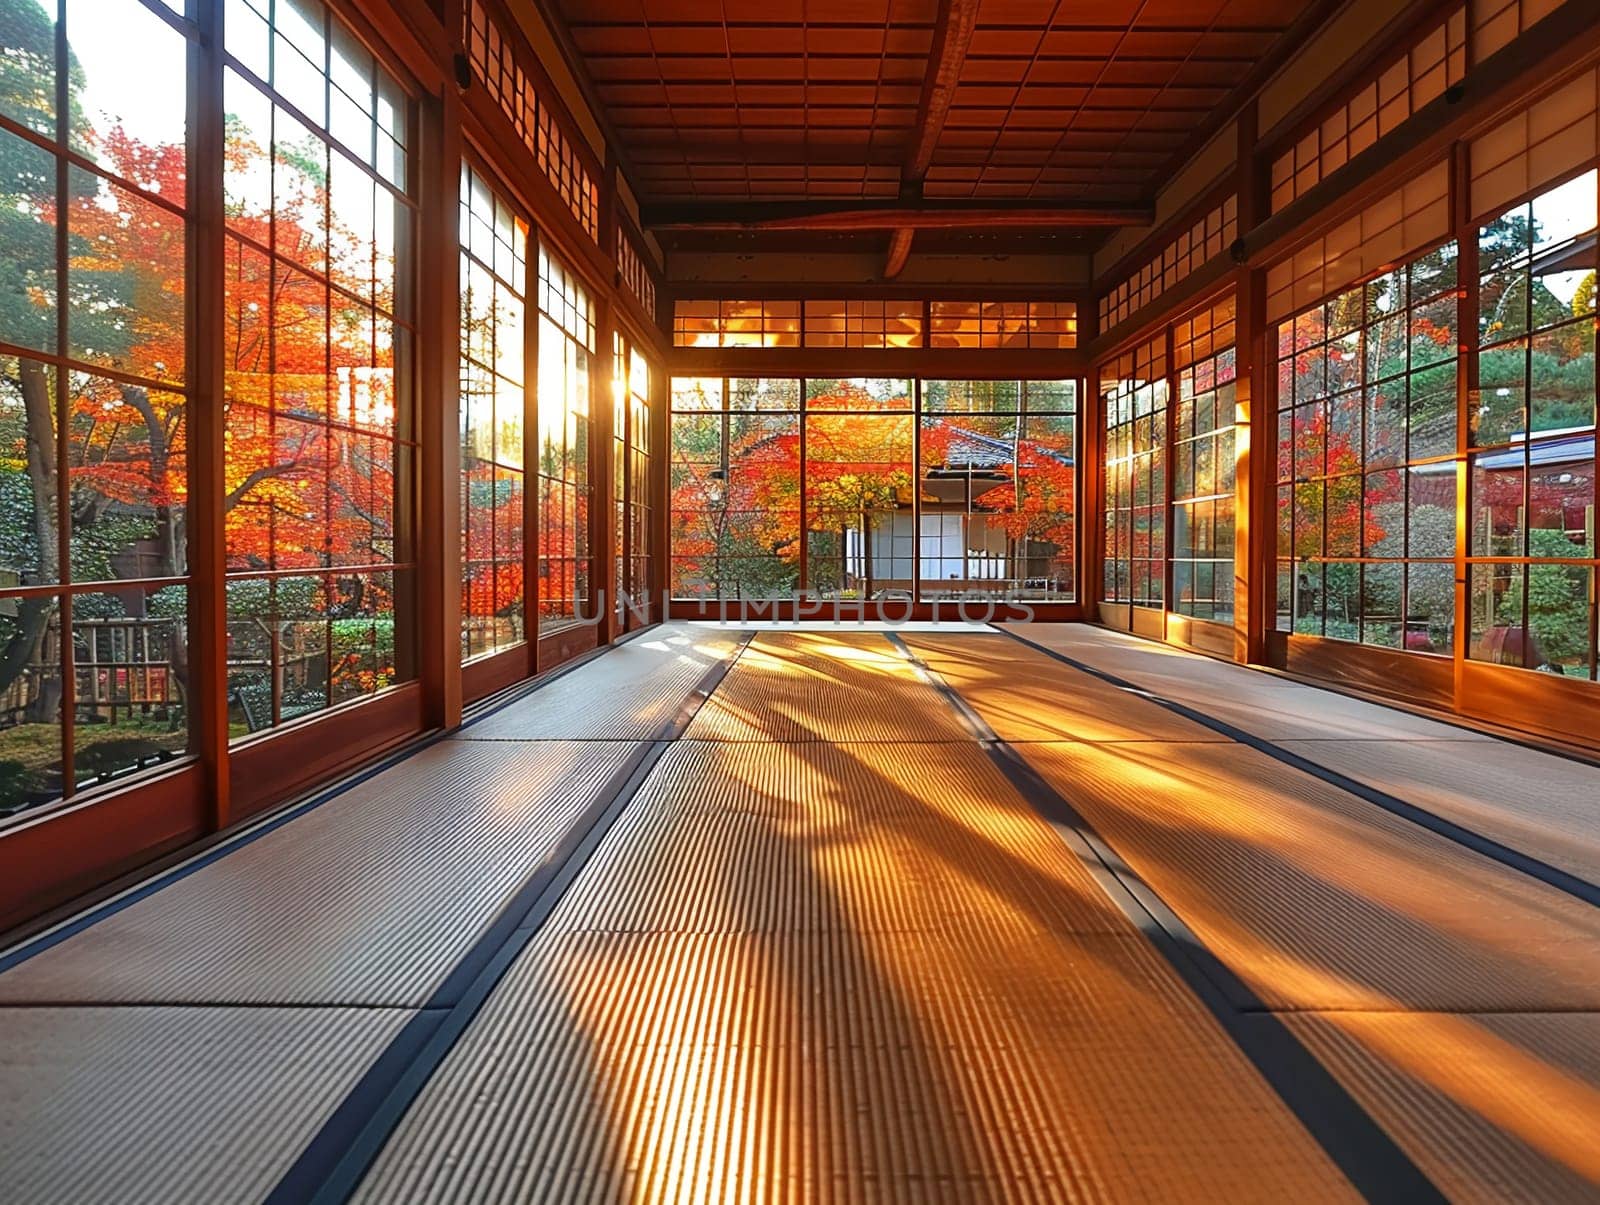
<point x="1065" y="107"/>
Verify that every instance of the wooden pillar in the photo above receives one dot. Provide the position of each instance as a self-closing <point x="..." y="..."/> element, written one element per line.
<point x="208" y="600"/>
<point x="1092" y="495"/>
<point x="602" y="507"/>
<point x="438" y="403"/>
<point x="1255" y="425"/>
<point x="1467" y="301"/>
<point x="659" y="485"/>
<point x="602" y="425"/>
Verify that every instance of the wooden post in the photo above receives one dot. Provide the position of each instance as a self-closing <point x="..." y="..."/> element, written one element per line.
<point x="602" y="518"/>
<point x="438" y="404"/>
<point x="659" y="485"/>
<point x="1255" y="425"/>
<point x="208" y="597"/>
<point x="602" y="429"/>
<point x="1092" y="495"/>
<point x="1467" y="301"/>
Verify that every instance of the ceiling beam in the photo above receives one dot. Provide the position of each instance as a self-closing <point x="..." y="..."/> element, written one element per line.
<point x="893" y="215"/>
<point x="952" y="35"/>
<point x="899" y="252"/>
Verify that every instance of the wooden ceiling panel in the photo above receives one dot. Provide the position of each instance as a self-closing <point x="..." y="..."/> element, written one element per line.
<point x="1035" y="13"/>
<point x="1080" y="43"/>
<point x="1064" y="71"/>
<point x="1005" y="43"/>
<point x="1053" y="100"/>
<point x="853" y="40"/>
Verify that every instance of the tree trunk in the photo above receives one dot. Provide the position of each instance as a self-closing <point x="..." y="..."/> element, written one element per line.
<point x="34" y="613"/>
<point x="167" y="540"/>
<point x="39" y="408"/>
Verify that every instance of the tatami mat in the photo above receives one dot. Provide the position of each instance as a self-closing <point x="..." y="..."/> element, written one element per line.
<point x="847" y="1067"/>
<point x="368" y="899"/>
<point x="811" y="837"/>
<point x="828" y="952"/>
<point x="627" y="694"/>
<point x="1264" y="705"/>
<point x="1500" y="1107"/>
<point x="1025" y="696"/>
<point x="1545" y="806"/>
<point x="168" y="1106"/>
<point x="1535" y="802"/>
<point x="817" y="686"/>
<point x="855" y="972"/>
<point x="1316" y="898"/>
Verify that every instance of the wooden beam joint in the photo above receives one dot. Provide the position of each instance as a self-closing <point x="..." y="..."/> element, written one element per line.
<point x="893" y="215"/>
<point x="899" y="252"/>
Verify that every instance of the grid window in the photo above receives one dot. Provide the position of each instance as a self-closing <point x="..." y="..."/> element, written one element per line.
<point x="736" y="324"/>
<point x="494" y="55"/>
<point x="95" y="396"/>
<point x="734" y="489"/>
<point x="1208" y="238"/>
<point x="640" y="548"/>
<point x="1414" y="78"/>
<point x="997" y="504"/>
<point x="636" y="276"/>
<point x="566" y="342"/>
<point x="1496" y="22"/>
<point x="494" y="273"/>
<point x="785" y="485"/>
<point x="1134" y="389"/>
<point x="1415" y="215"/>
<point x="859" y="503"/>
<point x="317" y="365"/>
<point x="1048" y="325"/>
<point x="863" y="323"/>
<point x="1532" y="469"/>
<point x="1367" y="462"/>
<point x="630" y="483"/>
<point x="1203" y="465"/>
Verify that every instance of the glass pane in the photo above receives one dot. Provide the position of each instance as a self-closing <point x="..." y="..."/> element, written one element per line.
<point x="136" y="130"/>
<point x="975" y="397"/>
<point x="1498" y="503"/>
<point x="764" y="394"/>
<point x="1561" y="377"/>
<point x="858" y="504"/>
<point x="126" y="280"/>
<point x="31" y="687"/>
<point x="862" y="393"/>
<point x="697" y="393"/>
<point x="129" y="660"/>
<point x="1382" y="622"/>
<point x="1430" y="607"/>
<point x="1495" y="611"/>
<point x="29" y="286"/>
<point x="250" y="656"/>
<point x="299" y="192"/>
<point x="28" y="67"/>
<point x="1558" y="619"/>
<point x="361" y="621"/>
<point x="130" y="479"/>
<point x="735" y="489"/>
<point x="29" y="482"/>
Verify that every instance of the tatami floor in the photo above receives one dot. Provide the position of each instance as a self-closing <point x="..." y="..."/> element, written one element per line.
<point x="852" y="915"/>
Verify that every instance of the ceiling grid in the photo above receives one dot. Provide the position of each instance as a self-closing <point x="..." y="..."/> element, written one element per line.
<point x="1058" y="103"/>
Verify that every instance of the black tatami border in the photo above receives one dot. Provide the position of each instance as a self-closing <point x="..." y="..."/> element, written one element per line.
<point x="330" y="1168"/>
<point x="1358" y="1145"/>
<point x="1536" y="868"/>
<point x="257" y="827"/>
